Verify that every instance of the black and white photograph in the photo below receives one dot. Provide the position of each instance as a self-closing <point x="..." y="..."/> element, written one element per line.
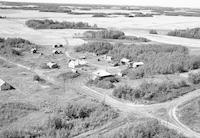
<point x="99" y="69"/>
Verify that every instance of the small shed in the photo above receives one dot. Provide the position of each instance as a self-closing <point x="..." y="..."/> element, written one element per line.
<point x="101" y="74"/>
<point x="136" y="64"/>
<point x="33" y="50"/>
<point x="56" y="52"/>
<point x="125" y="61"/>
<point x="52" y="65"/>
<point x="4" y="86"/>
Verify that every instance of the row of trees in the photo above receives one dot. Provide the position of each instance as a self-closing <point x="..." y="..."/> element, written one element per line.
<point x="50" y="24"/>
<point x="112" y="34"/>
<point x="154" y="92"/>
<point x="71" y="121"/>
<point x="188" y="33"/>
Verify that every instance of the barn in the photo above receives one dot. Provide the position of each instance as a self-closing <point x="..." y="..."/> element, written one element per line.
<point x="4" y="86"/>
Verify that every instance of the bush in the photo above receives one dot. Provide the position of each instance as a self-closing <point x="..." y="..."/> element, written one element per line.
<point x="39" y="79"/>
<point x="194" y="78"/>
<point x="68" y="75"/>
<point x="50" y="24"/>
<point x="134" y="38"/>
<point x="100" y="15"/>
<point x="44" y="66"/>
<point x="153" y="32"/>
<point x="97" y="47"/>
<point x="159" y="92"/>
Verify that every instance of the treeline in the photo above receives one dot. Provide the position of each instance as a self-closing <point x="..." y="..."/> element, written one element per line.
<point x="153" y="92"/>
<point x="15" y="46"/>
<point x="50" y="24"/>
<point x="71" y="121"/>
<point x="145" y="129"/>
<point x="188" y="33"/>
<point x="112" y="34"/>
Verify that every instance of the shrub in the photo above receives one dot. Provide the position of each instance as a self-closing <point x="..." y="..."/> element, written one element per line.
<point x="194" y="78"/>
<point x="44" y="66"/>
<point x="39" y="79"/>
<point x="152" y="31"/>
<point x="68" y="75"/>
<point x="100" y="15"/>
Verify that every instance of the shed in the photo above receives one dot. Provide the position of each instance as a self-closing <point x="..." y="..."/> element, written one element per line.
<point x="137" y="64"/>
<point x="33" y="50"/>
<point x="125" y="61"/>
<point x="56" y="52"/>
<point x="101" y="74"/>
<point x="5" y="86"/>
<point x="52" y="65"/>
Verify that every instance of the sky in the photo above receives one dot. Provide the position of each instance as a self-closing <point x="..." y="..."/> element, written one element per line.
<point x="163" y="3"/>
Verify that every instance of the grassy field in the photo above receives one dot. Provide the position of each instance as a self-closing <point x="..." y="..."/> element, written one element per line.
<point x="189" y="114"/>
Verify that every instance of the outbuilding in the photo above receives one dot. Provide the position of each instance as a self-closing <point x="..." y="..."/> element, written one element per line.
<point x="101" y="74"/>
<point x="33" y="50"/>
<point x="4" y="86"/>
<point x="52" y="65"/>
<point x="56" y="52"/>
<point x="136" y="64"/>
<point x="125" y="61"/>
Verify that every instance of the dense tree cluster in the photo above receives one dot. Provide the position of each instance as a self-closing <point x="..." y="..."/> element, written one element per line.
<point x="97" y="47"/>
<point x="156" y="92"/>
<point x="146" y="129"/>
<point x="15" y="46"/>
<point x="71" y="121"/>
<point x="158" y="59"/>
<point x="50" y="24"/>
<point x="188" y="33"/>
<point x="152" y="31"/>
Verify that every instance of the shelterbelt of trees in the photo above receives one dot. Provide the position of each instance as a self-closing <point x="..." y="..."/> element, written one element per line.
<point x="15" y="46"/>
<point x="187" y="33"/>
<point x="50" y="24"/>
<point x="112" y="34"/>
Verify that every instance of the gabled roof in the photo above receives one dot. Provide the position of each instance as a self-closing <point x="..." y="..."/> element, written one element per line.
<point x="102" y="73"/>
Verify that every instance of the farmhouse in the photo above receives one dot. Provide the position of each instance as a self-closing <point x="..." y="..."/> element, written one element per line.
<point x="100" y="74"/>
<point x="76" y="63"/>
<point x="108" y="58"/>
<point x="125" y="61"/>
<point x="5" y="86"/>
<point x="52" y="65"/>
